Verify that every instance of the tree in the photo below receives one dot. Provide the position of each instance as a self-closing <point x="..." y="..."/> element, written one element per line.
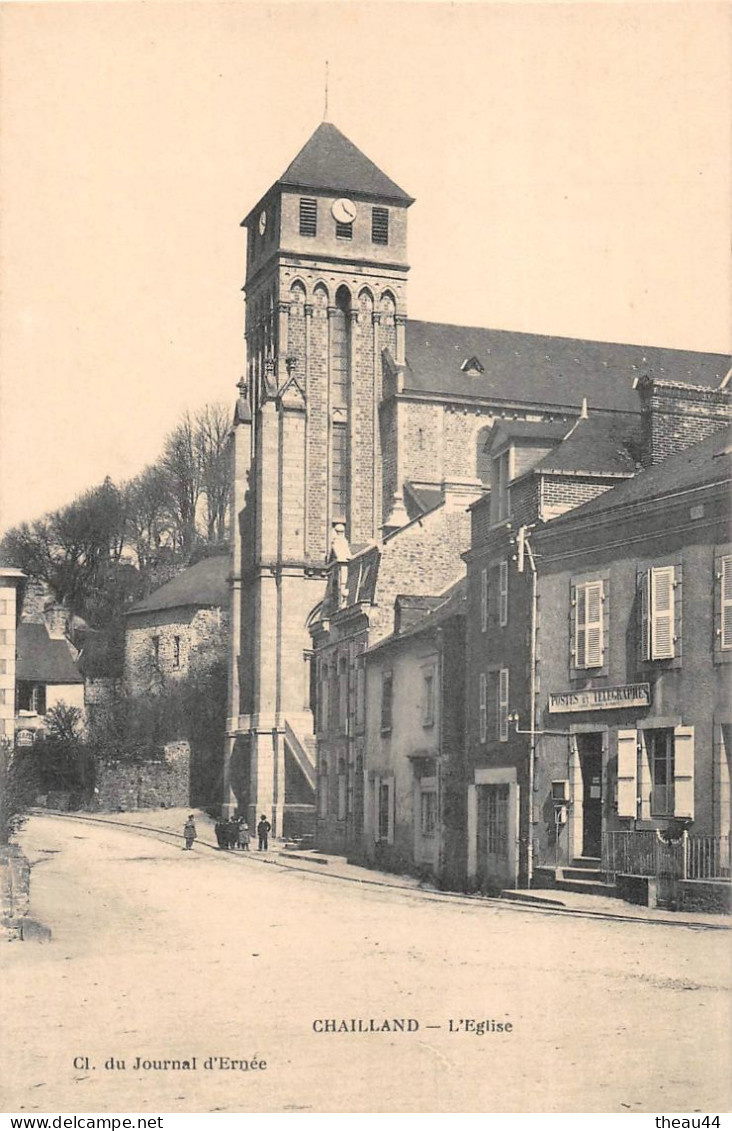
<point x="18" y="788"/>
<point x="213" y="431"/>
<point x="181" y="464"/>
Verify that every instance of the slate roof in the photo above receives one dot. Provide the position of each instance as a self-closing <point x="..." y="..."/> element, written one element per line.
<point x="43" y="660"/>
<point x="425" y="497"/>
<point x="448" y="604"/>
<point x="329" y="161"/>
<point x="204" y="583"/>
<point x="604" y="443"/>
<point x="541" y="369"/>
<point x="704" y="464"/>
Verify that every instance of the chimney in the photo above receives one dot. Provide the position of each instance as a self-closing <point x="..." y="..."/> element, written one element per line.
<point x="57" y="621"/>
<point x="674" y="415"/>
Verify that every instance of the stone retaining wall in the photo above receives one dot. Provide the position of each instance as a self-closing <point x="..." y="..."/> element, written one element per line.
<point x="146" y="785"/>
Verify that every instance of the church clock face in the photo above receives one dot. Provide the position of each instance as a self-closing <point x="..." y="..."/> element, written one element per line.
<point x="344" y="211"/>
<point x="262" y="222"/>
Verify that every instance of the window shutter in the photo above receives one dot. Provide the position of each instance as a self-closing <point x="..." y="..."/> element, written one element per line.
<point x="662" y="613"/>
<point x="503" y="705"/>
<point x="644" y="636"/>
<point x="594" y="643"/>
<point x="684" y="772"/>
<point x="390" y="813"/>
<point x="503" y="583"/>
<point x="580" y="624"/>
<point x="627" y="773"/>
<point x="645" y="780"/>
<point x="482" y="707"/>
<point x="483" y="600"/>
<point x="725" y="588"/>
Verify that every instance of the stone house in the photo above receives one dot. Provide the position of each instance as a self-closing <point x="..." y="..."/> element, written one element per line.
<point x="598" y="713"/>
<point x="47" y="674"/>
<point x="182" y="621"/>
<point x="414" y="720"/>
<point x="353" y="415"/>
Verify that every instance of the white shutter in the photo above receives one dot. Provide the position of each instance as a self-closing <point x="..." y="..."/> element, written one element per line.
<point x="725" y="588"/>
<point x="662" y="612"/>
<point x="503" y="585"/>
<point x="483" y="600"/>
<point x="580" y="654"/>
<point x="684" y="772"/>
<point x="627" y="773"/>
<point x="482" y="707"/>
<point x="503" y="705"/>
<point x="645" y="615"/>
<point x="594" y="644"/>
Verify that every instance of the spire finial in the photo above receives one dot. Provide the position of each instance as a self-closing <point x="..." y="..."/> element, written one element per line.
<point x="325" y="107"/>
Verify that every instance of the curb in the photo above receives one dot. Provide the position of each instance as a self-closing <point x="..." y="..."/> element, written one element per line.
<point x="529" y="905"/>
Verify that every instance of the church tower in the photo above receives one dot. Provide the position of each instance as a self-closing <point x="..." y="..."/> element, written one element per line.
<point x="325" y="296"/>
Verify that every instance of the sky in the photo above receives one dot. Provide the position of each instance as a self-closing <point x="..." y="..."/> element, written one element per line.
<point x="571" y="165"/>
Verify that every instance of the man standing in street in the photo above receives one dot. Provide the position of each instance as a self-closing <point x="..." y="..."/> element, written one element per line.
<point x="263" y="829"/>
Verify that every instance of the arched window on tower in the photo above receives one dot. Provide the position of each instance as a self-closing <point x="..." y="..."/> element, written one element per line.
<point x="482" y="457"/>
<point x="340" y="381"/>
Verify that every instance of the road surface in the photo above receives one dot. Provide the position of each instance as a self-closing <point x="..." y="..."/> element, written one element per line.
<point x="158" y="954"/>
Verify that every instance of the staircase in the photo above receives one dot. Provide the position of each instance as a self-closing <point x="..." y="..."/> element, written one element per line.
<point x="584" y="875"/>
<point x="302" y="748"/>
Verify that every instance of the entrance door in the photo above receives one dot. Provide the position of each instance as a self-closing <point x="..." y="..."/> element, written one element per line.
<point x="590" y="752"/>
<point x="493" y="835"/>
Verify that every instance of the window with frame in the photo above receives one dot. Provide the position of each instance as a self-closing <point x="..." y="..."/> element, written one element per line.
<point x="428" y="697"/>
<point x="380" y="225"/>
<point x="176" y="651"/>
<point x="342" y="695"/>
<point x="31" y="697"/>
<point x="482" y="707"/>
<point x="156" y="649"/>
<point x="342" y="789"/>
<point x="387" y="700"/>
<point x="503" y="594"/>
<point x="323" y="701"/>
<point x="384" y="811"/>
<point x="588" y="645"/>
<point x="339" y="473"/>
<point x="658" y="612"/>
<point x="483" y="599"/>
<point x="660" y="753"/>
<point x="360" y="694"/>
<point x="503" y="705"/>
<point x="723" y="577"/>
<point x="323" y="787"/>
<point x="428" y="812"/>
<point x="500" y="481"/>
<point x="308" y="216"/>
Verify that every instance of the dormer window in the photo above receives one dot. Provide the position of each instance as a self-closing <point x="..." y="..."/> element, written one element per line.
<point x="472" y="367"/>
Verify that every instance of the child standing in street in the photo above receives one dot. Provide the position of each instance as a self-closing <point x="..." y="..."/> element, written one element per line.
<point x="189" y="832"/>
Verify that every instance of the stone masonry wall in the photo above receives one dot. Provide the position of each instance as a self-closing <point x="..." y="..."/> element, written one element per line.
<point x="145" y="785"/>
<point x="197" y="630"/>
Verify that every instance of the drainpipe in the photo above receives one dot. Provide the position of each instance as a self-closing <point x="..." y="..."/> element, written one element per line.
<point x="524" y="552"/>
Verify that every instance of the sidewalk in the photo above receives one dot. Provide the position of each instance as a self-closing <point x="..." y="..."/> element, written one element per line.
<point x="170" y="822"/>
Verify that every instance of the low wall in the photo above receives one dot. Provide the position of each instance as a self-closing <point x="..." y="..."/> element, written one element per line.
<point x="146" y="785"/>
<point x="14" y="891"/>
<point x="705" y="895"/>
<point x="299" y="820"/>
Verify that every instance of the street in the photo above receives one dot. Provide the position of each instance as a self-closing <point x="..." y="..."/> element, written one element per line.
<point x="162" y="954"/>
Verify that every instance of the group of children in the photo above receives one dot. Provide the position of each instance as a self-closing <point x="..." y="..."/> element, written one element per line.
<point x="231" y="833"/>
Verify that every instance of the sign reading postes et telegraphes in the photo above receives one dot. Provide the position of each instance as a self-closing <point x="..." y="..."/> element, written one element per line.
<point x="600" y="698"/>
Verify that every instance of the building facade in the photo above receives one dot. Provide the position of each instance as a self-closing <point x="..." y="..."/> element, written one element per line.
<point x="355" y="421"/>
<point x="597" y="688"/>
